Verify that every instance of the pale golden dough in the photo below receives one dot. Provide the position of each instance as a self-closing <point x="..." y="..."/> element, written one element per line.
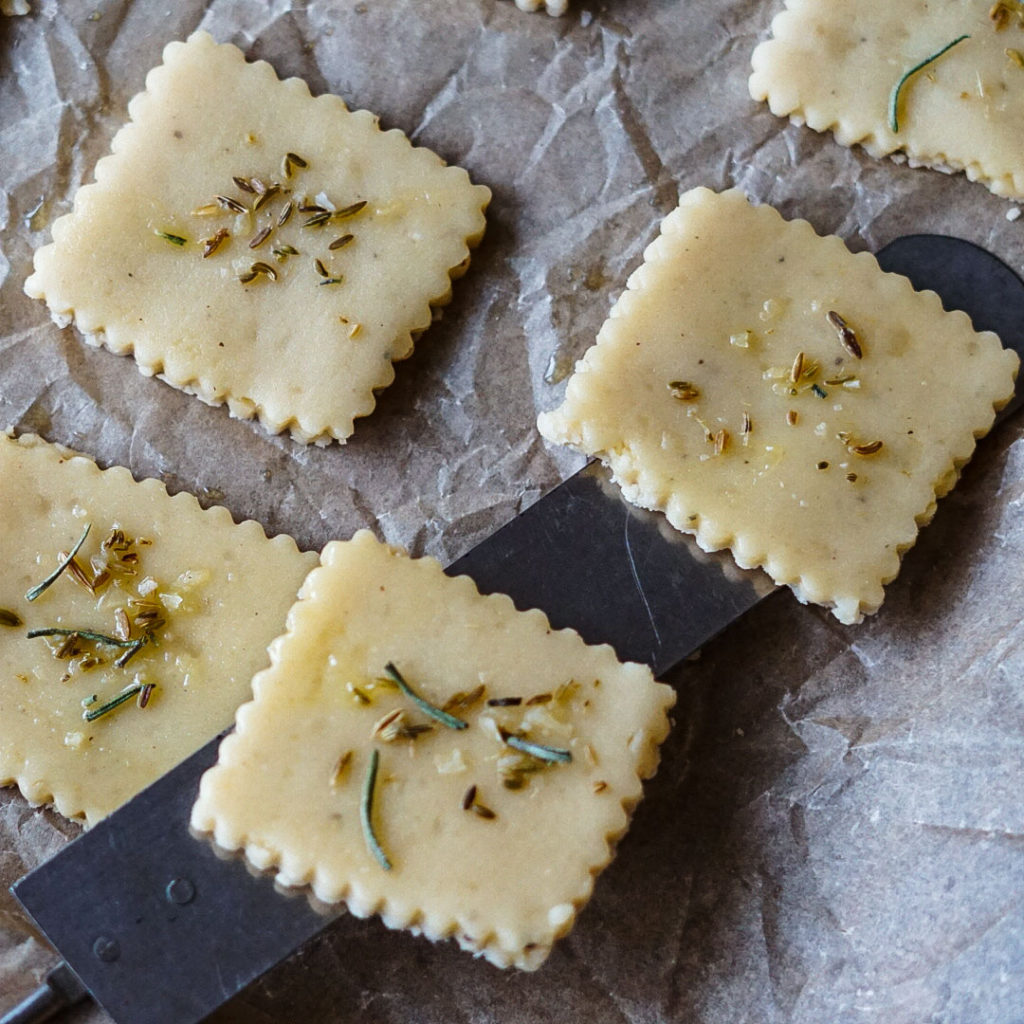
<point x="302" y="346"/>
<point x="689" y="397"/>
<point x="833" y="66"/>
<point x="504" y="887"/>
<point x="553" y="7"/>
<point x="223" y="589"/>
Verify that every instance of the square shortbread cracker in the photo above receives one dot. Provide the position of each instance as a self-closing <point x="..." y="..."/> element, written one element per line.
<point x="258" y="247"/>
<point x="493" y="844"/>
<point x="777" y="395"/>
<point x="835" y="67"/>
<point x="205" y="597"/>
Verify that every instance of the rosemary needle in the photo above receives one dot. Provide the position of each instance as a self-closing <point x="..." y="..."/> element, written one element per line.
<point x="424" y="705"/>
<point x="52" y="578"/>
<point x="115" y="702"/>
<point x="85" y="634"/>
<point x="538" y="750"/>
<point x="366" y="812"/>
<point x="894" y="96"/>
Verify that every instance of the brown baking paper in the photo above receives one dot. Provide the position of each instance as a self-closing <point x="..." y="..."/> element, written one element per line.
<point x="837" y="831"/>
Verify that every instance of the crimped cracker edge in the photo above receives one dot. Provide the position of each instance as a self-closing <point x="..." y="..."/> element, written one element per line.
<point x="639" y="488"/>
<point x="242" y="407"/>
<point x="35" y="791"/>
<point x="884" y="144"/>
<point x="488" y="945"/>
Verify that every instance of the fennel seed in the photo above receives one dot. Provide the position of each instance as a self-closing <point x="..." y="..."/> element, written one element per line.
<point x="847" y="336"/>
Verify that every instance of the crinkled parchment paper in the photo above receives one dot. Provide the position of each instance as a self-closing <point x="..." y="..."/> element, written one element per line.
<point x="837" y="832"/>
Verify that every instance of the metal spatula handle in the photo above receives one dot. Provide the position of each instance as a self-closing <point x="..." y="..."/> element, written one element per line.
<point x="60" y="991"/>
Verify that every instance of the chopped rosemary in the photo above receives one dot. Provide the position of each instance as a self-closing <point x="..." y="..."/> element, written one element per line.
<point x="332" y="280"/>
<point x="134" y="649"/>
<point x="341" y="242"/>
<point x="64" y="563"/>
<point x="168" y="237"/>
<point x="683" y="390"/>
<point x="894" y="96"/>
<point x="366" y="812"/>
<point x="122" y="698"/>
<point x="504" y="702"/>
<point x="8" y="618"/>
<point x="819" y="391"/>
<point x="424" y="705"/>
<point x="847" y="337"/>
<point x="537" y="750"/>
<point x="84" y="634"/>
<point x="115" y="702"/>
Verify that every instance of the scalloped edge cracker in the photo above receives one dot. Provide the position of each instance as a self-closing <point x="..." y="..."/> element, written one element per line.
<point x="834" y="67"/>
<point x="215" y="594"/>
<point x="477" y="840"/>
<point x="259" y="247"/>
<point x="779" y="396"/>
